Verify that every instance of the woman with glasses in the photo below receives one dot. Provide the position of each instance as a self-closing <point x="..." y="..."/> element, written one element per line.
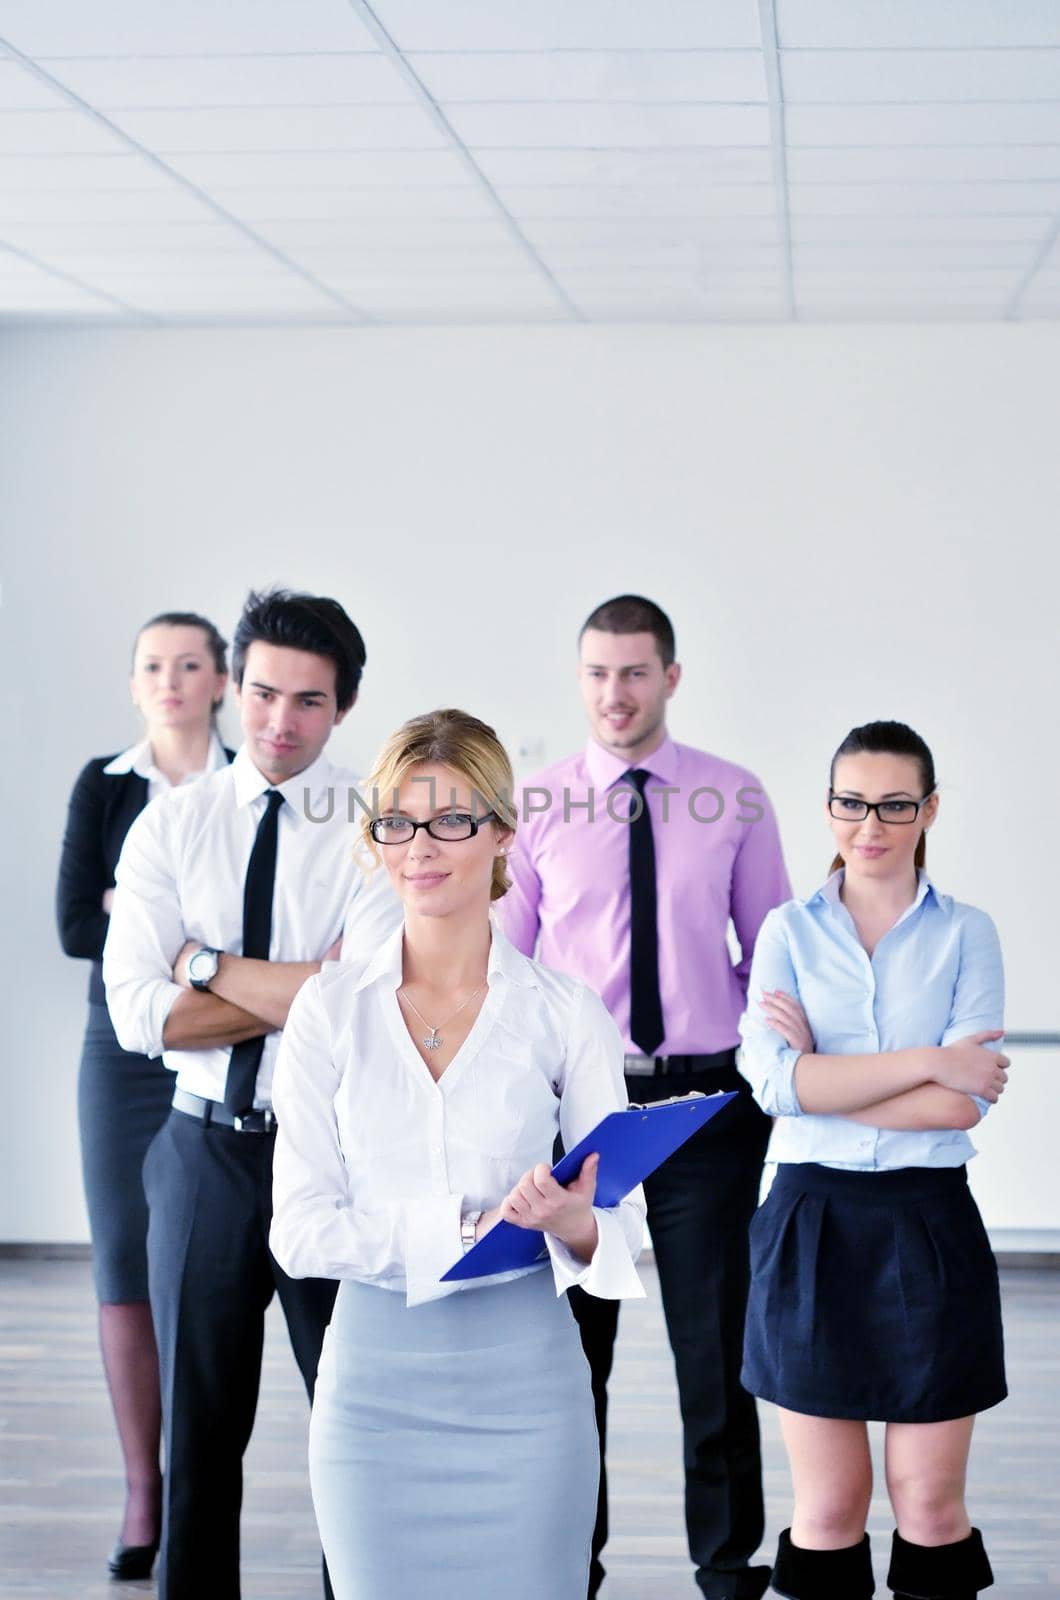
<point x="179" y="672"/>
<point x="875" y="1011"/>
<point x="418" y="1095"/>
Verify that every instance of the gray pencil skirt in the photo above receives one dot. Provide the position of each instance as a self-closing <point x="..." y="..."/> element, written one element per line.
<point x="452" y="1447"/>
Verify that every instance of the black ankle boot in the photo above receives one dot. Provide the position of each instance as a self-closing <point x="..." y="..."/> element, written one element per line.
<point x="939" y="1572"/>
<point x="823" y="1574"/>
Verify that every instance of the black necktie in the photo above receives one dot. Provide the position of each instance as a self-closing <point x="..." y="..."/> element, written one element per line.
<point x="645" y="1005"/>
<point x="257" y="929"/>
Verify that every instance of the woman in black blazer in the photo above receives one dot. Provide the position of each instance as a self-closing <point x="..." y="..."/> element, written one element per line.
<point x="178" y="682"/>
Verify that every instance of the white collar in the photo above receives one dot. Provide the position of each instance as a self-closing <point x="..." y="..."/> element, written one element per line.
<point x="314" y="779"/>
<point x="504" y="961"/>
<point x="139" y="759"/>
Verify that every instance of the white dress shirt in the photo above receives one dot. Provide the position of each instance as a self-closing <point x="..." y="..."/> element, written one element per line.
<point x="376" y="1161"/>
<point x="139" y="758"/>
<point x="181" y="876"/>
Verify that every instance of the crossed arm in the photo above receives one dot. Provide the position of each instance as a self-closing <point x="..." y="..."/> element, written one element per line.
<point x="145" y="961"/>
<point x="923" y="1087"/>
<point x="947" y="1085"/>
<point x="246" y="999"/>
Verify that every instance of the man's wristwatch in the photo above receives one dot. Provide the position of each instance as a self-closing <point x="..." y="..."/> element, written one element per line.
<point x="468" y="1224"/>
<point x="202" y="967"/>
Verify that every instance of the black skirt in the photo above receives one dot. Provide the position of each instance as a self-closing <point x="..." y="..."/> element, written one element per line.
<point x="122" y="1099"/>
<point x="874" y="1296"/>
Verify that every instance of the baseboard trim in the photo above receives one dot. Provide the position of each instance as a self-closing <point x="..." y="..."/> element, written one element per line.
<point x="1047" y="1255"/>
<point x="45" y="1252"/>
<point x="1026" y="1246"/>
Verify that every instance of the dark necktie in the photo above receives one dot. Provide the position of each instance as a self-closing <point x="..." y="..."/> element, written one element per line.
<point x="645" y="1004"/>
<point x="257" y="929"/>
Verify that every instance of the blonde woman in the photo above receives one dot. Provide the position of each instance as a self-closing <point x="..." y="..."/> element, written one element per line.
<point x="418" y="1095"/>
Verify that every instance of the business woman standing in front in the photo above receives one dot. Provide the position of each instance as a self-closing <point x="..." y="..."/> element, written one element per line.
<point x="418" y="1094"/>
<point x="875" y="1011"/>
<point x="178" y="680"/>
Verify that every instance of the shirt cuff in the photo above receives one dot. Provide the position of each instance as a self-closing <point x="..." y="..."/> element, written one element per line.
<point x="982" y="1105"/>
<point x="610" y="1275"/>
<point x="139" y="1011"/>
<point x="163" y="999"/>
<point x="432" y="1245"/>
<point x="785" y="1097"/>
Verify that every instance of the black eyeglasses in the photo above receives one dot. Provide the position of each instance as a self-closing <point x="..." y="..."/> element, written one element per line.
<point x="845" y="808"/>
<point x="448" y="829"/>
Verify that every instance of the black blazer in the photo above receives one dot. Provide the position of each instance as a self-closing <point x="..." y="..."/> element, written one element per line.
<point x="103" y="807"/>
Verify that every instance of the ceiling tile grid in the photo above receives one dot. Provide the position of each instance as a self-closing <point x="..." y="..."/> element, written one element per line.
<point x="160" y="83"/>
<point x="489" y="160"/>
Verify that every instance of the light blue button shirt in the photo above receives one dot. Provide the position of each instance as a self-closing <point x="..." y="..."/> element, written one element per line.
<point x="934" y="977"/>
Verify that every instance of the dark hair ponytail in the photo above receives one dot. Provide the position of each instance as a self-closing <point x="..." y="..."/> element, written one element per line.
<point x="215" y="641"/>
<point x="889" y="739"/>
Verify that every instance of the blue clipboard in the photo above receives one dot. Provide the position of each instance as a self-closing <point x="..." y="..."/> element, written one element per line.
<point x="630" y="1144"/>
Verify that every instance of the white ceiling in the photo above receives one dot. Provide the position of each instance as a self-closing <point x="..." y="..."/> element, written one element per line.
<point x="459" y="161"/>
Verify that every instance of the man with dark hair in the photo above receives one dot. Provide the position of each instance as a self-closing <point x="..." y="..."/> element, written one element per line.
<point x="303" y="622"/>
<point x="227" y="899"/>
<point x="630" y="860"/>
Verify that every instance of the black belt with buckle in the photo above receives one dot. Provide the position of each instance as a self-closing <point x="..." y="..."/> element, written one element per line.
<point x="210" y="1111"/>
<point x="677" y="1066"/>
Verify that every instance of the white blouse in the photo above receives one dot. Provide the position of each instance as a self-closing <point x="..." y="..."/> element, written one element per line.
<point x="376" y="1162"/>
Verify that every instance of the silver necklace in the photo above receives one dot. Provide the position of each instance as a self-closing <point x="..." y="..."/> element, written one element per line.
<point x="432" y="1041"/>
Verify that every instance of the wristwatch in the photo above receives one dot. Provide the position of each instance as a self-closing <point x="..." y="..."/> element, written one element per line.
<point x="468" y="1224"/>
<point x="202" y="967"/>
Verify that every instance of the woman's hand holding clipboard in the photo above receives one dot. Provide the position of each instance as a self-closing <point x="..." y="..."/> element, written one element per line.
<point x="630" y="1144"/>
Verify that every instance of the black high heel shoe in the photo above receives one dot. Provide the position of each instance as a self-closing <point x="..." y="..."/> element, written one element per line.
<point x="128" y="1561"/>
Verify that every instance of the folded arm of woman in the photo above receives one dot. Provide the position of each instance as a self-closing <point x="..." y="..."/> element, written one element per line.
<point x="929" y="1106"/>
<point x="922" y="1087"/>
<point x="905" y="1087"/>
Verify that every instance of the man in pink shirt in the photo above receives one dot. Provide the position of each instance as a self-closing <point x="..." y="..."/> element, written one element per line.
<point x="630" y="860"/>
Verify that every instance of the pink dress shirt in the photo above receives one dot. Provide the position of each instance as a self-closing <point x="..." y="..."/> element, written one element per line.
<point x="717" y="856"/>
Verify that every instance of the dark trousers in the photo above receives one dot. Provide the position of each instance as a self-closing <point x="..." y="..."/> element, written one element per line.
<point x="209" y="1191"/>
<point x="700" y="1204"/>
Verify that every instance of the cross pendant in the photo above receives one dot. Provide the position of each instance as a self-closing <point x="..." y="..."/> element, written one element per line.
<point x="432" y="1042"/>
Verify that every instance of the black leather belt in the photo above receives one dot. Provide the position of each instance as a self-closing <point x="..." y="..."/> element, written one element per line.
<point x="210" y="1111"/>
<point x="677" y="1066"/>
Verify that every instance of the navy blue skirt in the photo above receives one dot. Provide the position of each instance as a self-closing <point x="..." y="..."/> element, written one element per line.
<point x="874" y="1296"/>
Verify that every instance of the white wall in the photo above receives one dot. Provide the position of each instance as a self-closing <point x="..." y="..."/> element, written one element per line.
<point x="844" y="523"/>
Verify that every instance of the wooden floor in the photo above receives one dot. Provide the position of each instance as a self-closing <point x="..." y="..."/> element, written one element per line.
<point x="61" y="1491"/>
